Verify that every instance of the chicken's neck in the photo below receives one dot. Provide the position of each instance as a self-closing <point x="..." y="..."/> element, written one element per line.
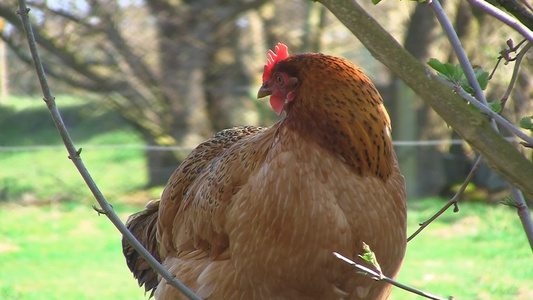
<point x="359" y="137"/>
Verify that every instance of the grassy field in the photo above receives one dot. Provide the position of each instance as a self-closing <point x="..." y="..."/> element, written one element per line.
<point x="66" y="251"/>
<point x="54" y="246"/>
<point x="62" y="252"/>
<point x="48" y="174"/>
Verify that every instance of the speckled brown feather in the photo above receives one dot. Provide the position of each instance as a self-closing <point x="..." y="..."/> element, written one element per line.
<point x="143" y="225"/>
<point x="256" y="213"/>
<point x="182" y="193"/>
<point x="344" y="113"/>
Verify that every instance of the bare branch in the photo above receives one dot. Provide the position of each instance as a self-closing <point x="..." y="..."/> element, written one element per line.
<point x="62" y="53"/>
<point x="453" y="201"/>
<point x="380" y="277"/>
<point x="505" y="18"/>
<point x="505" y="54"/>
<point x="517" y="10"/>
<point x="524" y="215"/>
<point x="516" y="68"/>
<point x="137" y="96"/>
<point x="63" y="13"/>
<point x="107" y="209"/>
<point x="26" y="58"/>
<point x="465" y="62"/>
<point x="140" y="69"/>
<point x="458" y="48"/>
<point x="480" y="102"/>
<point x="487" y="111"/>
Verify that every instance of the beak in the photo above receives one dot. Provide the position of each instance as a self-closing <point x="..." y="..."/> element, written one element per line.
<point x="264" y="91"/>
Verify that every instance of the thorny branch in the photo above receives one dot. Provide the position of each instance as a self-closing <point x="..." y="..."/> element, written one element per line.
<point x="106" y="209"/>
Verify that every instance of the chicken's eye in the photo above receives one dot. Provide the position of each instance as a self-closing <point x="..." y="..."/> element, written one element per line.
<point x="279" y="78"/>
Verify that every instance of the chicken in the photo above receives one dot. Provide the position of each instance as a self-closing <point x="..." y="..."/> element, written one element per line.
<point x="256" y="213"/>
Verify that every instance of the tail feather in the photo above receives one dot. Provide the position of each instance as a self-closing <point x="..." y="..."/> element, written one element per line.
<point x="143" y="225"/>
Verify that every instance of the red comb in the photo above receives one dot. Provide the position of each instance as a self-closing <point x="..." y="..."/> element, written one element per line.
<point x="282" y="52"/>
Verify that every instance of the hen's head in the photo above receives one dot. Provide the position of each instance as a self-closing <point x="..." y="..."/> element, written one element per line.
<point x="331" y="101"/>
<point x="313" y="80"/>
<point x="278" y="84"/>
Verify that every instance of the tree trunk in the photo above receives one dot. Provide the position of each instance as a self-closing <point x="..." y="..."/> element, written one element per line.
<point x="421" y="166"/>
<point x="185" y="44"/>
<point x="191" y="34"/>
<point x="229" y="99"/>
<point x="160" y="163"/>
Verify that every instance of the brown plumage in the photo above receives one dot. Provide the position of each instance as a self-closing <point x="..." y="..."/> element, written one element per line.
<point x="256" y="213"/>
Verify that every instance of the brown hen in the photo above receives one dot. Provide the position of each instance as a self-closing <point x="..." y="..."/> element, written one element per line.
<point x="256" y="213"/>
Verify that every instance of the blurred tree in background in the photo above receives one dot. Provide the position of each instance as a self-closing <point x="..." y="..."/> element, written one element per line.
<point x="148" y="60"/>
<point x="181" y="70"/>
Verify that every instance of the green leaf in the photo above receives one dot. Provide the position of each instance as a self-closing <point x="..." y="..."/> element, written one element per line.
<point x="509" y="201"/>
<point x="370" y="257"/>
<point x="450" y="70"/>
<point x="438" y="66"/>
<point x="466" y="86"/>
<point x="376" y="1"/>
<point x="458" y="74"/>
<point x="482" y="77"/>
<point x="527" y="123"/>
<point x="495" y="106"/>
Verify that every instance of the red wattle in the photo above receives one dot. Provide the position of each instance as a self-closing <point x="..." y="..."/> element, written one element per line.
<point x="277" y="104"/>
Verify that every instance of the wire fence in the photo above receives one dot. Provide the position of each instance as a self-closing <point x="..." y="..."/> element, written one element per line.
<point x="428" y="143"/>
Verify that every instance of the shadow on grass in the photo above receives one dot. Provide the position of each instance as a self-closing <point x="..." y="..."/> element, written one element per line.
<point x="34" y="126"/>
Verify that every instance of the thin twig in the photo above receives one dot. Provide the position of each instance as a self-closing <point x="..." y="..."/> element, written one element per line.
<point x="523" y="214"/>
<point x="453" y="38"/>
<point x="518" y="61"/>
<point x="380" y="277"/>
<point x="452" y="201"/>
<point x="504" y="54"/>
<point x="107" y="209"/>
<point x="486" y="110"/>
<point x="520" y="9"/>
<point x="502" y="16"/>
<point x="479" y="101"/>
<point x="526" y="4"/>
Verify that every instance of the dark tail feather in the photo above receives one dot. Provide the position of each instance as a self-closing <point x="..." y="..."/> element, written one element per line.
<point x="143" y="225"/>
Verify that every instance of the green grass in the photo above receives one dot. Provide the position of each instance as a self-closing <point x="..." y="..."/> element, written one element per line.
<point x="49" y="174"/>
<point x="479" y="253"/>
<point x="68" y="252"/>
<point x="62" y="252"/>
